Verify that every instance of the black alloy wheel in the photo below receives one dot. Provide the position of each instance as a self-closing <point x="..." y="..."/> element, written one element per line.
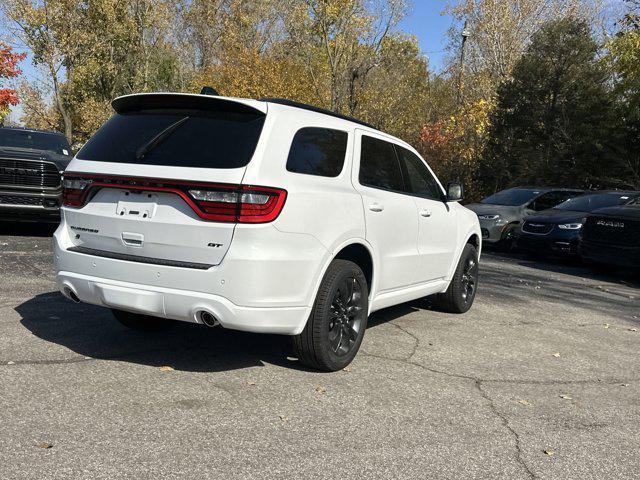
<point x="334" y="332"/>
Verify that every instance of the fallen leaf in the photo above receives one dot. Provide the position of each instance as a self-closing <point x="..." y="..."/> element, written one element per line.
<point x="284" y="418"/>
<point x="557" y="355"/>
<point x="11" y="362"/>
<point x="45" y="445"/>
<point x="321" y="389"/>
<point x="524" y="402"/>
<point x="606" y="325"/>
<point x="633" y="329"/>
<point x="166" y="368"/>
<point x="624" y="385"/>
<point x="566" y="397"/>
<point x="549" y="452"/>
<point x="251" y="382"/>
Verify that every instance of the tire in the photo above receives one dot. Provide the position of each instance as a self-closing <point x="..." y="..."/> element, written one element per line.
<point x="463" y="287"/>
<point x="142" y="323"/>
<point x="338" y="320"/>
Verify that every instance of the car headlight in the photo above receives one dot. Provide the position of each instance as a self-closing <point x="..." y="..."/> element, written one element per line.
<point x="488" y="217"/>
<point x="570" y="226"/>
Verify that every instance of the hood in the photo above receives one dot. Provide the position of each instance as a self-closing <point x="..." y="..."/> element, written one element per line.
<point x="61" y="161"/>
<point x="557" y="217"/>
<point x="503" y="210"/>
<point x="629" y="212"/>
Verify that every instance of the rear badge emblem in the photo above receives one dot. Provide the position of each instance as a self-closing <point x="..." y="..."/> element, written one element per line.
<point x="214" y="245"/>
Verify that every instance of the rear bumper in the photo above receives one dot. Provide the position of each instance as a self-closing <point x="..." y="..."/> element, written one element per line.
<point x="266" y="282"/>
<point x="181" y="304"/>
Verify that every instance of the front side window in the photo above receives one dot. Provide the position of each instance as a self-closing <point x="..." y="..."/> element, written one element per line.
<point x="419" y="180"/>
<point x="379" y="166"/>
<point x="550" y="200"/>
<point x="318" y="151"/>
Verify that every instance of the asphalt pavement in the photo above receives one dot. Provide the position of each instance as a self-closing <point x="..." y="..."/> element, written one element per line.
<point x="539" y="380"/>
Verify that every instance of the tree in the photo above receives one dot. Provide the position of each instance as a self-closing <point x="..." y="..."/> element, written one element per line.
<point x="501" y="30"/>
<point x="8" y="69"/>
<point x="624" y="61"/>
<point x="553" y="119"/>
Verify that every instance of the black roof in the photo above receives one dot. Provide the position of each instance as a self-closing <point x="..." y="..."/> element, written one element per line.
<point x="311" y="108"/>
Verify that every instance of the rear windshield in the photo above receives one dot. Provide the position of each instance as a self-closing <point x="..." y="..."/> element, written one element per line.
<point x="49" y="142"/>
<point x="513" y="197"/>
<point x="184" y="138"/>
<point x="589" y="203"/>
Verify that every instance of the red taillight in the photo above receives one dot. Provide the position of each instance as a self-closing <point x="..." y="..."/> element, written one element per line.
<point x="212" y="202"/>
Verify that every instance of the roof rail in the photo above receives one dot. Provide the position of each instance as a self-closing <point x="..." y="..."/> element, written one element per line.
<point x="311" y="108"/>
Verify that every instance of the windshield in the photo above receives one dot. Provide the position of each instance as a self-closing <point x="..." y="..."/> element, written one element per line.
<point x="513" y="197"/>
<point x="49" y="142"/>
<point x="589" y="203"/>
<point x="177" y="137"/>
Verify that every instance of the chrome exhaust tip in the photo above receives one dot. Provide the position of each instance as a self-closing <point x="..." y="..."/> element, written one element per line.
<point x="208" y="319"/>
<point x="72" y="295"/>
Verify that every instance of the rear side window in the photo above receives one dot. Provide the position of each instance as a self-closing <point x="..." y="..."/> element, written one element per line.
<point x="420" y="181"/>
<point x="379" y="166"/>
<point x="184" y="138"/>
<point x="318" y="151"/>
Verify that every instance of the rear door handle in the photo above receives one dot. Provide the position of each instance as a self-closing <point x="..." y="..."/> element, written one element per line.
<point x="376" y="207"/>
<point x="425" y="213"/>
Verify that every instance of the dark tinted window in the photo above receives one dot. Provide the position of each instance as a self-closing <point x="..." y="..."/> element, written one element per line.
<point x="318" y="151"/>
<point x="550" y="200"/>
<point x="188" y="138"/>
<point x="49" y="142"/>
<point x="379" y="165"/>
<point x="418" y="178"/>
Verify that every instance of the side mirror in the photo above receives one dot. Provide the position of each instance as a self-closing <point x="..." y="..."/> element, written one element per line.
<point x="455" y="192"/>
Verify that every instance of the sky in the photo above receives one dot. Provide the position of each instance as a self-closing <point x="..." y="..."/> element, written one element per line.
<point x="425" y="21"/>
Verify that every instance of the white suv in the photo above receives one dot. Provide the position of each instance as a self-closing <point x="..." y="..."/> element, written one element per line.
<point x="265" y="216"/>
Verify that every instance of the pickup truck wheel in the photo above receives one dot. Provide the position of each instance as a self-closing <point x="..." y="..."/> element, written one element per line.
<point x="462" y="290"/>
<point x="335" y="329"/>
<point x="141" y="323"/>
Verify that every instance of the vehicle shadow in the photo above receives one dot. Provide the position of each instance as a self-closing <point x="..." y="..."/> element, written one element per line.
<point x="91" y="331"/>
<point x="27" y="229"/>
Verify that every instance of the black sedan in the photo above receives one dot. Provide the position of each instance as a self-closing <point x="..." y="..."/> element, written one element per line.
<point x="557" y="230"/>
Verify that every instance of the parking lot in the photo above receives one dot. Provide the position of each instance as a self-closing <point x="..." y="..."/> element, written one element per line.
<point x="539" y="380"/>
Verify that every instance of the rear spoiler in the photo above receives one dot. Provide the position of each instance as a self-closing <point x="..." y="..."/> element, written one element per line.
<point x="152" y="101"/>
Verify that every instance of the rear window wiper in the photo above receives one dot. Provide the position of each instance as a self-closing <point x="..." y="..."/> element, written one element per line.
<point x="159" y="138"/>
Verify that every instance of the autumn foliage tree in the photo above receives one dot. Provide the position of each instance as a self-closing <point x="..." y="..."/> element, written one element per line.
<point x="8" y="69"/>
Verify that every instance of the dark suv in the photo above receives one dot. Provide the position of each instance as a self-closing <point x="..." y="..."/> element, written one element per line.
<point x="31" y="164"/>
<point x="611" y="236"/>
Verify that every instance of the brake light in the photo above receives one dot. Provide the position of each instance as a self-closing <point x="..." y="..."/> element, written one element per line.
<point x="212" y="202"/>
<point x="73" y="190"/>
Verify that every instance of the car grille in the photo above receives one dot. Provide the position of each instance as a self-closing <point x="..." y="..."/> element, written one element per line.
<point x="612" y="231"/>
<point x="20" y="200"/>
<point x="537" y="228"/>
<point x="24" y="173"/>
